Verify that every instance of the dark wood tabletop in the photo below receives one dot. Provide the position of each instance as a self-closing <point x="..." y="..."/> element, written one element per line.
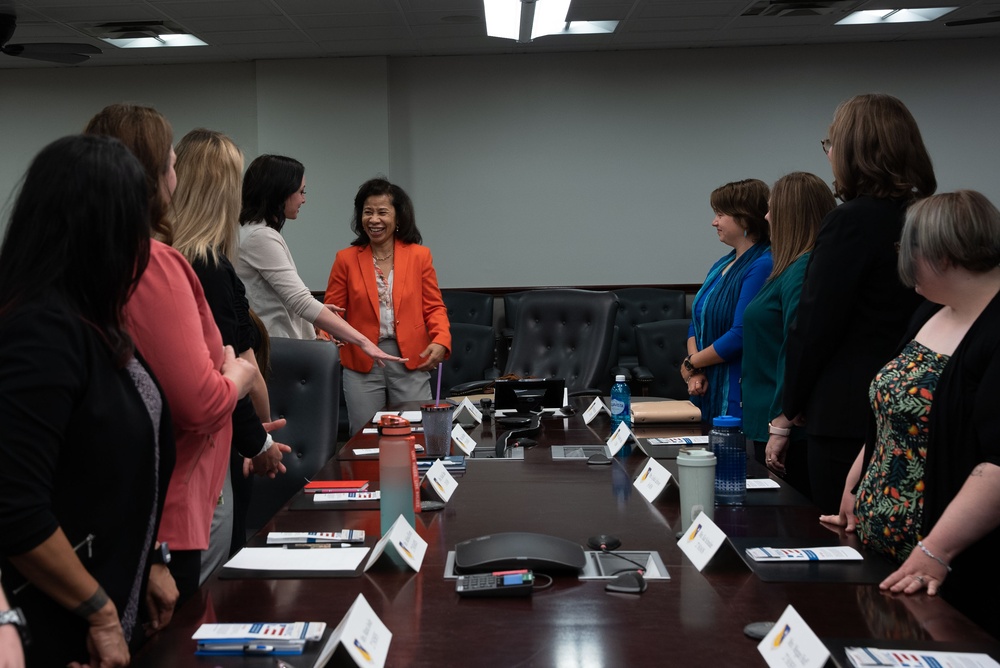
<point x="693" y="619"/>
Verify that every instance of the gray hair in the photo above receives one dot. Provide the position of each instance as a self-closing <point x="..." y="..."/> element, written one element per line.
<point x="959" y="229"/>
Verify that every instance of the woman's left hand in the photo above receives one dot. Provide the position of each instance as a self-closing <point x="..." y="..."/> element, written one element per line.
<point x="917" y="572"/>
<point x="432" y="356"/>
<point x="698" y="385"/>
<point x="775" y="451"/>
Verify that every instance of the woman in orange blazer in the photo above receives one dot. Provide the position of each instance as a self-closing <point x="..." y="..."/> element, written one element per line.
<point x="386" y="283"/>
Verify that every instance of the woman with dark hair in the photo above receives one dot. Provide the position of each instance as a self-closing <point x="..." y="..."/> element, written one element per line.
<point x="274" y="189"/>
<point x="930" y="488"/>
<point x="87" y="448"/>
<point x="853" y="308"/>
<point x="798" y="203"/>
<point x="712" y="368"/>
<point x="387" y="284"/>
<point x="173" y="328"/>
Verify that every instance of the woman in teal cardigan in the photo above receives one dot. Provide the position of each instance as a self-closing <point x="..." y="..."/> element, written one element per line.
<point x="799" y="201"/>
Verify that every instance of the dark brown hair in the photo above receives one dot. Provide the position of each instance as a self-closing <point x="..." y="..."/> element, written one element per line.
<point x="745" y="201"/>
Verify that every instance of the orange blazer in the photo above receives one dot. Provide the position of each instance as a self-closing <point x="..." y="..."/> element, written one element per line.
<point x="421" y="316"/>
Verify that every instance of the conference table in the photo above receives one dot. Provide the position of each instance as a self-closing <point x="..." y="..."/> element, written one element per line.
<point x="693" y="618"/>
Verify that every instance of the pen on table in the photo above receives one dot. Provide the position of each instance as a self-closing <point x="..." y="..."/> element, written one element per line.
<point x="258" y="649"/>
<point x="316" y="546"/>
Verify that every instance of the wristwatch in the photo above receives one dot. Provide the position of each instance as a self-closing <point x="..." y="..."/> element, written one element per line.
<point x="160" y="555"/>
<point x="16" y="617"/>
<point x="778" y="431"/>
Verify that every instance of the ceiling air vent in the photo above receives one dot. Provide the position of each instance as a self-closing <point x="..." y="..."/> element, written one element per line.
<point x="783" y="8"/>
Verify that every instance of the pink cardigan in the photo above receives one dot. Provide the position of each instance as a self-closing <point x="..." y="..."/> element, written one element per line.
<point x="174" y="330"/>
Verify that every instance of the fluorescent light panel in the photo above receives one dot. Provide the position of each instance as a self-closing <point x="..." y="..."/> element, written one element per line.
<point x="881" y="16"/>
<point x="154" y="42"/>
<point x="503" y="19"/>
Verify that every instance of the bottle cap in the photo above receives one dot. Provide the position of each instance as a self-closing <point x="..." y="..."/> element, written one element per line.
<point x="727" y="421"/>
<point x="394" y="425"/>
<point x="620" y="378"/>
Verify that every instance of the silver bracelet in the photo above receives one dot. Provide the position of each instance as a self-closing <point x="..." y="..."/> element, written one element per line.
<point x="930" y="554"/>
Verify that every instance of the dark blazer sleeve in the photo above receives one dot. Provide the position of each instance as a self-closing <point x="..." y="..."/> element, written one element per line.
<point x="221" y="291"/>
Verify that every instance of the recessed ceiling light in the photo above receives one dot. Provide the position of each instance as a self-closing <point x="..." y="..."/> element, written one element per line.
<point x="154" y="42"/>
<point x="524" y="20"/>
<point x="870" y="16"/>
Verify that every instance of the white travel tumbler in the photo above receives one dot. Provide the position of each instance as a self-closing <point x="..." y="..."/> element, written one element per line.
<point x="696" y="479"/>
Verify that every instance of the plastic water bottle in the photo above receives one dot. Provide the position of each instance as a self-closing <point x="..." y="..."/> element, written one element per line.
<point x="621" y="409"/>
<point x="729" y="445"/>
<point x="396" y="464"/>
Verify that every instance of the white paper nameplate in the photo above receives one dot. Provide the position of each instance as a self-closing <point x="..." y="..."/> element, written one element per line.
<point x="652" y="480"/>
<point x="464" y="441"/>
<point x="701" y="541"/>
<point x="619" y="438"/>
<point x="596" y="407"/>
<point x="467" y="405"/>
<point x="404" y="540"/>
<point x="362" y="634"/>
<point x="441" y="481"/>
<point x="792" y="644"/>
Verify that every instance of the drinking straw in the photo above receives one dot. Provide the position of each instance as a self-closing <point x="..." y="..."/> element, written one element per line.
<point x="437" y="401"/>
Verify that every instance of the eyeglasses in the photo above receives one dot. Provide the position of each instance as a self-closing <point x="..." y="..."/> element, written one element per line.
<point x="825" y="143"/>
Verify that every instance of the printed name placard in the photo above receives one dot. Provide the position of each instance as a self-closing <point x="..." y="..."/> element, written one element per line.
<point x="462" y="438"/>
<point x="405" y="541"/>
<point x="595" y="407"/>
<point x="701" y="541"/>
<point x="361" y="634"/>
<point x="467" y="405"/>
<point x="792" y="644"/>
<point x="619" y="438"/>
<point x="441" y="481"/>
<point x="652" y="479"/>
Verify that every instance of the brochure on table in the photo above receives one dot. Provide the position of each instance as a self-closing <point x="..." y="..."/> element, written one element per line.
<point x="835" y="553"/>
<point x="256" y="638"/>
<point x="318" y="537"/>
<point x="462" y="439"/>
<point x="652" y="480"/>
<point x="792" y="644"/>
<point x="440" y="480"/>
<point x="874" y="657"/>
<point x="404" y="540"/>
<point x="701" y="541"/>
<point x="361" y="634"/>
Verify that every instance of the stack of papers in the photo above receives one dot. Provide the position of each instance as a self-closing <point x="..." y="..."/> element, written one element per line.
<point x="257" y="638"/>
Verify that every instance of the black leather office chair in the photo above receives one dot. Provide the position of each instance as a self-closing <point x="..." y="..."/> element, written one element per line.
<point x="565" y="334"/>
<point x="475" y="308"/>
<point x="637" y="306"/>
<point x="511" y="306"/>
<point x="662" y="347"/>
<point x="472" y="356"/>
<point x="304" y="388"/>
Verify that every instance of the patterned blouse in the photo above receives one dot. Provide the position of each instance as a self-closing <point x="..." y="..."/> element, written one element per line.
<point x="890" y="501"/>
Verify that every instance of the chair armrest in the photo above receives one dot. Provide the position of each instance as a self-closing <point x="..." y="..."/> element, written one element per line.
<point x="621" y="371"/>
<point x="472" y="387"/>
<point x="587" y="392"/>
<point x="643" y="375"/>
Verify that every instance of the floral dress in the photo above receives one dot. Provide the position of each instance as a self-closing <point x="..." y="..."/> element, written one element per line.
<point x="890" y="501"/>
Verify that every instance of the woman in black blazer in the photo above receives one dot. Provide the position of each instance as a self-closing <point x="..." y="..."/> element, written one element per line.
<point x="854" y="308"/>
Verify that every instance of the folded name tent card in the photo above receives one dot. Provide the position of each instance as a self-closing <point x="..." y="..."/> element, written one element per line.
<point x="834" y="553"/>
<point x="440" y="480"/>
<point x="361" y="636"/>
<point x="792" y="644"/>
<point x="470" y="408"/>
<point x="701" y="541"/>
<point x="256" y="638"/>
<point x="404" y="541"/>
<point x="595" y="407"/>
<point x="652" y="480"/>
<point x="464" y="441"/>
<point x="318" y="537"/>
<point x="619" y="438"/>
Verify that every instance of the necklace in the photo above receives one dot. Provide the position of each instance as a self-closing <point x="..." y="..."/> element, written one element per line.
<point x="382" y="259"/>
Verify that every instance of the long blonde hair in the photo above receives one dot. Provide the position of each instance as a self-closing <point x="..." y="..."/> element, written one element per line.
<point x="799" y="202"/>
<point x="207" y="199"/>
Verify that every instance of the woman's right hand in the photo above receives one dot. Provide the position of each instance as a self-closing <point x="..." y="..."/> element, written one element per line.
<point x="241" y="372"/>
<point x="698" y="385"/>
<point x="845" y="518"/>
<point x="379" y="355"/>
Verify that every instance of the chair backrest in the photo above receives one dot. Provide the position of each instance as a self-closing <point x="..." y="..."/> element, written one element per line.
<point x="475" y="308"/>
<point x="473" y="348"/>
<point x="641" y="305"/>
<point x="304" y="388"/>
<point x="565" y="334"/>
<point x="662" y="347"/>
